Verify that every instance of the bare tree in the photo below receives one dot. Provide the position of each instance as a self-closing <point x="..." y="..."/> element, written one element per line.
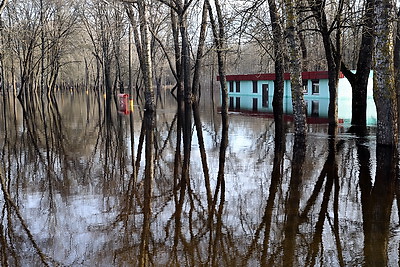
<point x="332" y="51"/>
<point x="278" y="42"/>
<point x="384" y="84"/>
<point x="141" y="32"/>
<point x="295" y="64"/>
<point x="359" y="79"/>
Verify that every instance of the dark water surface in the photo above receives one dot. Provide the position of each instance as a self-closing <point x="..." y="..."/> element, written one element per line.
<point x="69" y="198"/>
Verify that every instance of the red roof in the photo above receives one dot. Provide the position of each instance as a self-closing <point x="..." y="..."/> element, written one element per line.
<point x="309" y="75"/>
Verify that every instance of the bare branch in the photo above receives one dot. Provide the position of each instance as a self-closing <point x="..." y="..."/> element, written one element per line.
<point x="3" y="5"/>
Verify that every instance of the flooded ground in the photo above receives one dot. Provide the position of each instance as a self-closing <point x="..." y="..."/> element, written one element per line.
<point x="69" y="196"/>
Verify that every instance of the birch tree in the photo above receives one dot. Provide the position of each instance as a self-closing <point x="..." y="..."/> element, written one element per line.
<point x="295" y="65"/>
<point x="140" y="27"/>
<point x="384" y="83"/>
<point x="143" y="45"/>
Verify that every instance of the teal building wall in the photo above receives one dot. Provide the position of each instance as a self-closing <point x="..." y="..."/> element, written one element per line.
<point x="248" y="93"/>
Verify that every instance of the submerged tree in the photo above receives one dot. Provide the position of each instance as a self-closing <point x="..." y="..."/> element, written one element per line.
<point x="144" y="54"/>
<point x="295" y="64"/>
<point x="359" y="79"/>
<point x="332" y="50"/>
<point x="384" y="84"/>
<point x="278" y="42"/>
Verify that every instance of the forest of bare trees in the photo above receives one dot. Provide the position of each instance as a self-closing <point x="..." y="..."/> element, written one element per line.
<point x="168" y="177"/>
<point x="142" y="47"/>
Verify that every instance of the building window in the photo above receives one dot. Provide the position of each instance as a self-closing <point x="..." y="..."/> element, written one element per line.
<point x="255" y="104"/>
<point x="255" y="89"/>
<point x="231" y="102"/>
<point x="230" y="86"/>
<point x="265" y="99"/>
<point x="314" y="108"/>
<point x="237" y="103"/>
<point x="315" y="87"/>
<point x="237" y="86"/>
<point x="305" y="87"/>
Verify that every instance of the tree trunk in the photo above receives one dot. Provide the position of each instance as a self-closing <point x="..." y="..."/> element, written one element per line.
<point x="359" y="80"/>
<point x="149" y="123"/>
<point x="218" y="30"/>
<point x="187" y="88"/>
<point x="146" y="67"/>
<point x="384" y="84"/>
<point x="332" y="54"/>
<point x="278" y="42"/>
<point x="296" y="80"/>
<point x="196" y="99"/>
<point x="397" y="61"/>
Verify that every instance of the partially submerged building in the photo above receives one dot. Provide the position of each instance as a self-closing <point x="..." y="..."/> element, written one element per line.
<point x="254" y="93"/>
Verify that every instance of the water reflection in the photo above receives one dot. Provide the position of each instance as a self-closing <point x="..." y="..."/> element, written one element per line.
<point x="82" y="184"/>
<point x="377" y="207"/>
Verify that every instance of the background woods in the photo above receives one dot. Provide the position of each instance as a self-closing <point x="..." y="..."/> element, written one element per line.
<point x="177" y="178"/>
<point x="53" y="45"/>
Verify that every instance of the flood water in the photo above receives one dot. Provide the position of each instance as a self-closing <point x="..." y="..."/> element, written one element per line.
<point x="68" y="196"/>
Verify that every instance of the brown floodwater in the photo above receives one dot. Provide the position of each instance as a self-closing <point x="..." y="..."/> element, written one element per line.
<point x="73" y="194"/>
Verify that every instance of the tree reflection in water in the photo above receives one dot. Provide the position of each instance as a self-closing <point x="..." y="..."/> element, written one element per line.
<point x="80" y="185"/>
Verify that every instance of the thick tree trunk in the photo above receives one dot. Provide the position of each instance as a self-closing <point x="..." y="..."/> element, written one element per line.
<point x="359" y="95"/>
<point x="333" y="57"/>
<point x="397" y="62"/>
<point x="384" y="84"/>
<point x="146" y="65"/>
<point x="296" y="80"/>
<point x="359" y="80"/>
<point x="278" y="43"/>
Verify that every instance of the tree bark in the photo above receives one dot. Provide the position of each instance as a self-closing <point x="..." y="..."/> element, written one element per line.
<point x="144" y="54"/>
<point x="296" y="80"/>
<point x="146" y="67"/>
<point x="332" y="54"/>
<point x="359" y="80"/>
<point x="397" y="61"/>
<point x="187" y="88"/>
<point x="278" y="42"/>
<point x="384" y="84"/>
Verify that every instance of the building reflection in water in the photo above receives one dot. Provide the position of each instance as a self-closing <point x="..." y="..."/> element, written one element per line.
<point x="74" y="191"/>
